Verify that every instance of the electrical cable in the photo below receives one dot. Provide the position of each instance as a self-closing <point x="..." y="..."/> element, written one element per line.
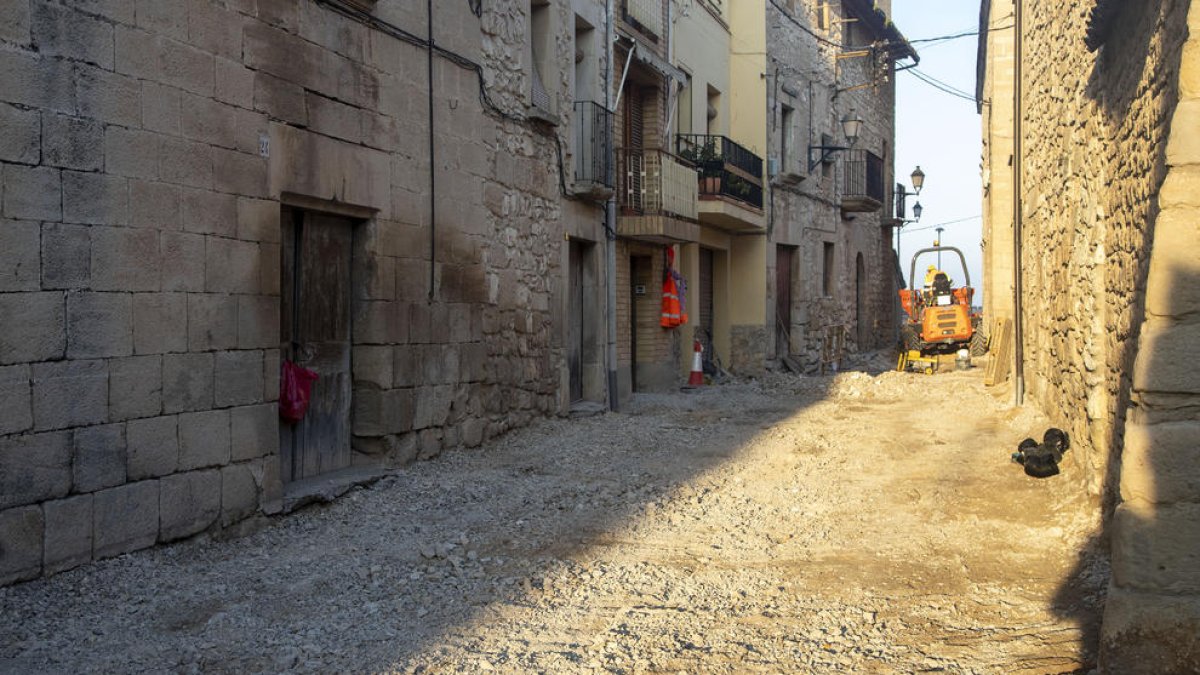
<point x="457" y="59"/>
<point x="804" y="28"/>
<point x="940" y="86"/>
<point x="948" y="222"/>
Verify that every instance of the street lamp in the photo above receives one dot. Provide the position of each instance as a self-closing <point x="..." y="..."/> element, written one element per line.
<point x="851" y="126"/>
<point x="938" y="243"/>
<point x="918" y="182"/>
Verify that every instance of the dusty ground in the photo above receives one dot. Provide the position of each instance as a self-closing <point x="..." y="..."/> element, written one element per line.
<point x="848" y="524"/>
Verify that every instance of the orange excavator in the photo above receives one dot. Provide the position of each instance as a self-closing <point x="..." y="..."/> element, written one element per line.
<point x="940" y="320"/>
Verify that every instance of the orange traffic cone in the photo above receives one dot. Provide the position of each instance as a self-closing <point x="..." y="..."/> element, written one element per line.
<point x="696" y="379"/>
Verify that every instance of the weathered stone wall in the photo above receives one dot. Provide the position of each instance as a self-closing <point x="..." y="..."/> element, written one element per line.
<point x="146" y="153"/>
<point x="807" y="78"/>
<point x="1095" y="136"/>
<point x="1109" y="255"/>
<point x="1152" y="621"/>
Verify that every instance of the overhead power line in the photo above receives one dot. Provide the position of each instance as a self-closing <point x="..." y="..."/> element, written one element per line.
<point x="937" y="225"/>
<point x="940" y="86"/>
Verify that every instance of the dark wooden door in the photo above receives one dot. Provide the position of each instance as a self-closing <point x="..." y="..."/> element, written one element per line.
<point x="575" y="321"/>
<point x="315" y="325"/>
<point x="641" y="310"/>
<point x="860" y="304"/>
<point x="704" y="303"/>
<point x="784" y="259"/>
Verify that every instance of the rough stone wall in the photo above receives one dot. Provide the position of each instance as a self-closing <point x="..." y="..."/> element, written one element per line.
<point x="1109" y="258"/>
<point x="808" y="214"/>
<point x="146" y="152"/>
<point x="1095" y="156"/>
<point x="1152" y="620"/>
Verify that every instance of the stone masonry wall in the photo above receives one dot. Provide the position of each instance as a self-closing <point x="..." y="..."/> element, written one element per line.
<point x="808" y="215"/>
<point x="1095" y="156"/>
<point x="147" y="150"/>
<point x="1109" y="257"/>
<point x="1152" y="620"/>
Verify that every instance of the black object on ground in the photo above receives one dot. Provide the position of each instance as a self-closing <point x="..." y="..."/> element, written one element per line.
<point x="1041" y="459"/>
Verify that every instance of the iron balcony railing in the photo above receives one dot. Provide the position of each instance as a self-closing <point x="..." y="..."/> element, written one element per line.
<point x="727" y="169"/>
<point x="863" y="178"/>
<point x="593" y="144"/>
<point x="655" y="182"/>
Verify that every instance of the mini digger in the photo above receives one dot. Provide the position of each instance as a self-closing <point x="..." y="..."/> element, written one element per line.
<point x="940" y="320"/>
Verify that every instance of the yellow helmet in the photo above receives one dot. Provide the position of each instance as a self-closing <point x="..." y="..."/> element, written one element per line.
<point x="931" y="268"/>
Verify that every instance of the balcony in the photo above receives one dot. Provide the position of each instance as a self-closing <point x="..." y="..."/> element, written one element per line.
<point x="593" y="139"/>
<point x="657" y="194"/>
<point x="730" y="189"/>
<point x="862" y="186"/>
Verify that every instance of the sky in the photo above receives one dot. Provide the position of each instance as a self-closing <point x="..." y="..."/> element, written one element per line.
<point x="941" y="133"/>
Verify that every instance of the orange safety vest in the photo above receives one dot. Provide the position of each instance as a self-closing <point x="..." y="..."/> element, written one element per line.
<point x="671" y="311"/>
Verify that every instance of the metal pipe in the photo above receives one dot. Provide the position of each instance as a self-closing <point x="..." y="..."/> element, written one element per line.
<point x="625" y="74"/>
<point x="432" y="163"/>
<point x="610" y="236"/>
<point x="1018" y="152"/>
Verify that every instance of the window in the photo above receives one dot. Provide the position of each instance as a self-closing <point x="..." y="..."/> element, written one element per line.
<point x="587" y="64"/>
<point x="714" y="109"/>
<point x="785" y="139"/>
<point x="827" y="271"/>
<point x="684" y="113"/>
<point x="541" y="50"/>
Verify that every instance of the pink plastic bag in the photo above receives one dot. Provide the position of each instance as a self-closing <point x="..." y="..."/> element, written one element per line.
<point x="295" y="391"/>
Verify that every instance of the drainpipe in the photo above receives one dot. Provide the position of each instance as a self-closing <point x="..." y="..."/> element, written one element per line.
<point x="432" y="164"/>
<point x="610" y="216"/>
<point x="1018" y="157"/>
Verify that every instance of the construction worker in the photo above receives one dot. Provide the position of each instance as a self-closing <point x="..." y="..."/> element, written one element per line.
<point x="927" y="289"/>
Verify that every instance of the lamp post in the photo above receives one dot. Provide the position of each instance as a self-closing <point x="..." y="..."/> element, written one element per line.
<point x="938" y="243"/>
<point x="852" y="127"/>
<point x="918" y="182"/>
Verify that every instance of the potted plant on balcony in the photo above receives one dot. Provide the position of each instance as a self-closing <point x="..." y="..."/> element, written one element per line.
<point x="706" y="158"/>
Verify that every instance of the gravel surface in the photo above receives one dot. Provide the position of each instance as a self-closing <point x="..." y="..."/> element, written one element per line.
<point x="865" y="523"/>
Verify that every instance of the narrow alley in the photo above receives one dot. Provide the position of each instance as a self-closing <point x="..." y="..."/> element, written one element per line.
<point x="860" y="523"/>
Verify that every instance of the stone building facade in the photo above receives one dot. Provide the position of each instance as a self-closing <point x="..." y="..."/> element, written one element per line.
<point x="1110" y="151"/>
<point x="460" y="221"/>
<point x="195" y="191"/>
<point x="830" y="261"/>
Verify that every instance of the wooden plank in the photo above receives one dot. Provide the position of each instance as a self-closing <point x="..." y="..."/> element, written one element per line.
<point x="1001" y="354"/>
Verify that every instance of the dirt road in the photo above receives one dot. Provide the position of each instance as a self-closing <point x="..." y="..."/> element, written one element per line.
<point x="851" y="524"/>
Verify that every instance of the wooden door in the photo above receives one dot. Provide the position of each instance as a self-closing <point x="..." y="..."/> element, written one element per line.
<point x="863" y="330"/>
<point x="643" y="313"/>
<point x="704" y="303"/>
<point x="575" y="320"/>
<point x="784" y="259"/>
<point x="315" y="325"/>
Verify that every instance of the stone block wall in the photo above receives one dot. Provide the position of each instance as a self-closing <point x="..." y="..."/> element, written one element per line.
<point x="1152" y="621"/>
<point x="148" y="149"/>
<point x="1109" y="255"/>
<point x="1096" y="126"/>
<point x="806" y="78"/>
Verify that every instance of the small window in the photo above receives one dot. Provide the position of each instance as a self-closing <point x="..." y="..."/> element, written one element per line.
<point x="714" y="111"/>
<point x="684" y="112"/>
<point x="785" y="138"/>
<point x="541" y="50"/>
<point x="827" y="271"/>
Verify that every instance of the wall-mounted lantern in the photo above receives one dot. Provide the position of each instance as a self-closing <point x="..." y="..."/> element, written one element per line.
<point x="851" y="126"/>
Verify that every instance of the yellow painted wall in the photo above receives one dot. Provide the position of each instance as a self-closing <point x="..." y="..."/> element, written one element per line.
<point x="701" y="47"/>
<point x="748" y="112"/>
